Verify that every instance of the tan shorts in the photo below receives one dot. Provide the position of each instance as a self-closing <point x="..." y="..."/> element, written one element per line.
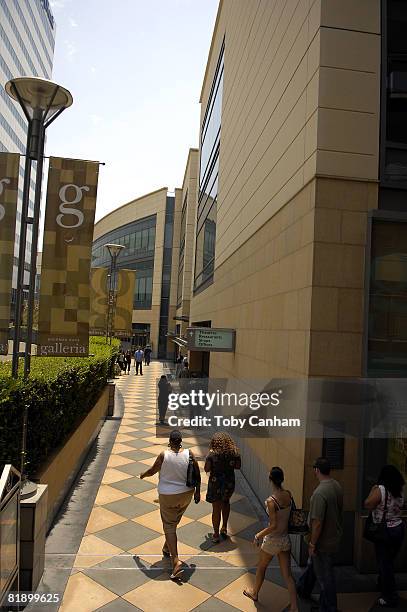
<point x="273" y="545"/>
<point x="172" y="508"/>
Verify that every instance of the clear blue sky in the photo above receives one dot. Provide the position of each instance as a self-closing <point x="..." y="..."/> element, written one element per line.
<point x="135" y="70"/>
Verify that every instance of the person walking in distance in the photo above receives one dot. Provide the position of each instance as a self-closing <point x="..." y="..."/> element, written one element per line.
<point x="121" y="362"/>
<point x="147" y="355"/>
<point x="386" y="497"/>
<point x="164" y="390"/>
<point x="174" y="493"/>
<point x="138" y="360"/>
<point x="127" y="362"/>
<point x="325" y="522"/>
<point x="274" y="539"/>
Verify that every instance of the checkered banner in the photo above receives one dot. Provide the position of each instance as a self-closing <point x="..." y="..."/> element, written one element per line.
<point x="126" y="282"/>
<point x="98" y="302"/>
<point x="63" y="327"/>
<point x="9" y="170"/>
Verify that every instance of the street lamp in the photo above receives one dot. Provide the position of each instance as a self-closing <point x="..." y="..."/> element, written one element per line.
<point x="42" y="102"/>
<point x="114" y="252"/>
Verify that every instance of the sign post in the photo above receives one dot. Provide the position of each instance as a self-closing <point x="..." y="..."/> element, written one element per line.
<point x="211" y="339"/>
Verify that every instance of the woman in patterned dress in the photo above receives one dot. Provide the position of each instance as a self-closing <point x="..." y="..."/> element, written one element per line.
<point x="222" y="461"/>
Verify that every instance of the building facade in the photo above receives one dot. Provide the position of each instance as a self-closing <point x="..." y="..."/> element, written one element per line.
<point x="301" y="233"/>
<point x="27" y="39"/>
<point x="186" y="236"/>
<point x="146" y="227"/>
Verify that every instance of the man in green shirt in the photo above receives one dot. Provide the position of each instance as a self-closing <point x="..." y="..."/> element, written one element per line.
<point x="325" y="522"/>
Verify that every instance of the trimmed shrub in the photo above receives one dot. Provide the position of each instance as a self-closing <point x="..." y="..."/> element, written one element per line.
<point x="60" y="392"/>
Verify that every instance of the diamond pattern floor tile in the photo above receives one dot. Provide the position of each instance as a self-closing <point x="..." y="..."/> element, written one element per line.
<point x="232" y="594"/>
<point x="107" y="494"/>
<point x="96" y="595"/>
<point x="131" y="507"/>
<point x="119" y="605"/>
<point x="133" y="485"/>
<point x="102" y="518"/>
<point x="127" y="535"/>
<point x="93" y="550"/>
<point x="161" y="595"/>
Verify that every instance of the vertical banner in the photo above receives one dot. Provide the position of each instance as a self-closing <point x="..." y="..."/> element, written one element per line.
<point x="98" y="301"/>
<point x="126" y="283"/>
<point x="63" y="327"/>
<point x="9" y="171"/>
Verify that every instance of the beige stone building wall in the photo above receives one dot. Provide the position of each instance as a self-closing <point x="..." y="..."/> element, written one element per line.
<point x="150" y="204"/>
<point x="190" y="192"/>
<point x="298" y="175"/>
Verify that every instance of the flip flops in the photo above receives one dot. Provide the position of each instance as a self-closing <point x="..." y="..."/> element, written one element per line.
<point x="177" y="572"/>
<point x="249" y="595"/>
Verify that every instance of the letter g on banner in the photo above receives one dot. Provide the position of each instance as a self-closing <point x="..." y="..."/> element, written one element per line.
<point x="3" y="182"/>
<point x="64" y="210"/>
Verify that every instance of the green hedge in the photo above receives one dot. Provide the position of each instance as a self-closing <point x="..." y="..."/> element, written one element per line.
<point x="60" y="392"/>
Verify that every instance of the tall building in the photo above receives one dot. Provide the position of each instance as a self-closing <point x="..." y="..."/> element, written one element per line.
<point x="301" y="226"/>
<point x="147" y="228"/>
<point x="27" y="38"/>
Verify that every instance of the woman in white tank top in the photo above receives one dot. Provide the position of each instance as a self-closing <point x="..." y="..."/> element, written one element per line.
<point x="173" y="493"/>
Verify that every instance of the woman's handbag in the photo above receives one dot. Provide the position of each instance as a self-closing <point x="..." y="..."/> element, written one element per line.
<point x="193" y="479"/>
<point x="377" y="532"/>
<point x="298" y="520"/>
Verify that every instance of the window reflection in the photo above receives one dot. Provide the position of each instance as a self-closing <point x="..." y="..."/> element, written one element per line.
<point x="208" y="180"/>
<point x="139" y="241"/>
<point x="387" y="348"/>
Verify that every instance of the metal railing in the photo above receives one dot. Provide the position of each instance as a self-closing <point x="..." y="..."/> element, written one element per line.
<point x="10" y="484"/>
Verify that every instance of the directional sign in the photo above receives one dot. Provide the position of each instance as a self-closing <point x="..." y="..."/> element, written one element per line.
<point x="211" y="339"/>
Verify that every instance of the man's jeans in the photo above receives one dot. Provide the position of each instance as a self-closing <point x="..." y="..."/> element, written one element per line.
<point x="324" y="571"/>
<point x="139" y="366"/>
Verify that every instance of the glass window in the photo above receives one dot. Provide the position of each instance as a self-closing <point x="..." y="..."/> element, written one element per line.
<point x="208" y="180"/>
<point x="144" y="239"/>
<point x="387" y="337"/>
<point x="138" y="240"/>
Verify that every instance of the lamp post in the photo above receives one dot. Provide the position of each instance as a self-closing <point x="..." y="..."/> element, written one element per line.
<point x="42" y="102"/>
<point x="114" y="252"/>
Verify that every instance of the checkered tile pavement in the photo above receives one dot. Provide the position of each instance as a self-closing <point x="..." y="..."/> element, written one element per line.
<point x="119" y="566"/>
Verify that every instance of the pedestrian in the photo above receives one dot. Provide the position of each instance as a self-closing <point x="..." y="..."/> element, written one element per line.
<point x="164" y="390"/>
<point x="121" y="362"/>
<point x="184" y="371"/>
<point x="138" y="360"/>
<point x="325" y="523"/>
<point x="178" y="365"/>
<point x="385" y="501"/>
<point x="274" y="539"/>
<point x="127" y="362"/>
<point x="174" y="493"/>
<point x="221" y="462"/>
<point x="147" y="355"/>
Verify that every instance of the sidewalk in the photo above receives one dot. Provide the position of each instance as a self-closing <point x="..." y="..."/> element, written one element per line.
<point x="119" y="566"/>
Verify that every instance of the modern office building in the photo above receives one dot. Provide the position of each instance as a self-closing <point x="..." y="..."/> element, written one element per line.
<point x="301" y="233"/>
<point x="27" y="38"/>
<point x="147" y="227"/>
<point x="186" y="245"/>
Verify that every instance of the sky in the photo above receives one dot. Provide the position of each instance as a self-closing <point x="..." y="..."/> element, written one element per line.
<point x="135" y="70"/>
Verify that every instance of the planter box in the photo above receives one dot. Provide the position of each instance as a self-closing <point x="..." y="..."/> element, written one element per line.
<point x="62" y="468"/>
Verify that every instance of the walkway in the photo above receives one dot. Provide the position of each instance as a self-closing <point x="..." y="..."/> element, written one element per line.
<point x="119" y="565"/>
